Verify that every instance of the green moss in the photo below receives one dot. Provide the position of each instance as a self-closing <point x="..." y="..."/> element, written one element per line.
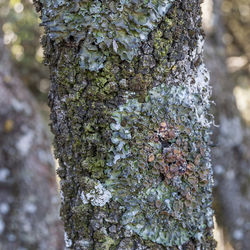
<point x="80" y="215"/>
<point x="106" y="241"/>
<point x="95" y="166"/>
<point x="137" y="83"/>
<point x="100" y="81"/>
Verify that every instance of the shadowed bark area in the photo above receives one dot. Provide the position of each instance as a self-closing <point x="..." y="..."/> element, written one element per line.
<point x="129" y="108"/>
<point x="231" y="154"/>
<point x="29" y="211"/>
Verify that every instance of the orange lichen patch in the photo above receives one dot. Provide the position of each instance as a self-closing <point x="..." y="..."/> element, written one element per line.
<point x="8" y="125"/>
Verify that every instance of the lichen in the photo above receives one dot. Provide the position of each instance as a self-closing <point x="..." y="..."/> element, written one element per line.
<point x="98" y="196"/>
<point x="103" y="28"/>
<point x="68" y="242"/>
<point x="160" y="211"/>
<point x="130" y="113"/>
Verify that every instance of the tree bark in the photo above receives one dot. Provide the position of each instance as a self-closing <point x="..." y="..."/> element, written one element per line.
<point x="129" y="108"/>
<point x="28" y="192"/>
<point x="231" y="154"/>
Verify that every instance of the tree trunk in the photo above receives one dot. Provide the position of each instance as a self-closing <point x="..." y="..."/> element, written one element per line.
<point x="28" y="191"/>
<point x="129" y="102"/>
<point x="231" y="155"/>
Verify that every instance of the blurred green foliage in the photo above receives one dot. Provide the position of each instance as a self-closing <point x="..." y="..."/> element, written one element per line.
<point x="20" y="25"/>
<point x="236" y="16"/>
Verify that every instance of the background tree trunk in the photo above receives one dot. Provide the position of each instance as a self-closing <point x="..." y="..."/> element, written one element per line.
<point x="28" y="191"/>
<point x="129" y="101"/>
<point x="231" y="154"/>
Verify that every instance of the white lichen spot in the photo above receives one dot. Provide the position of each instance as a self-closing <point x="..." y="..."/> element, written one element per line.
<point x="199" y="236"/>
<point x="201" y="88"/>
<point x="24" y="143"/>
<point x="4" y="173"/>
<point x="114" y="126"/>
<point x="209" y="215"/>
<point x="116" y="158"/>
<point x="164" y="8"/>
<point x="97" y="197"/>
<point x="200" y="44"/>
<point x="83" y="198"/>
<point x="195" y="94"/>
<point x="68" y="242"/>
<point x="115" y="45"/>
<point x="143" y="36"/>
<point x="61" y="196"/>
<point x="199" y="47"/>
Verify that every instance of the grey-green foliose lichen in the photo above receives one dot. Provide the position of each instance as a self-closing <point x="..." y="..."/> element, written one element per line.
<point x="175" y="208"/>
<point x="103" y="27"/>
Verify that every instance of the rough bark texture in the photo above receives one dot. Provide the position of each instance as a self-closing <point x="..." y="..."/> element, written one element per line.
<point x="129" y="101"/>
<point x="231" y="154"/>
<point x="28" y="191"/>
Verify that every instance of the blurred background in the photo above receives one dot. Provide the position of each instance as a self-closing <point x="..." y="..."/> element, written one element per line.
<point x="227" y="55"/>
